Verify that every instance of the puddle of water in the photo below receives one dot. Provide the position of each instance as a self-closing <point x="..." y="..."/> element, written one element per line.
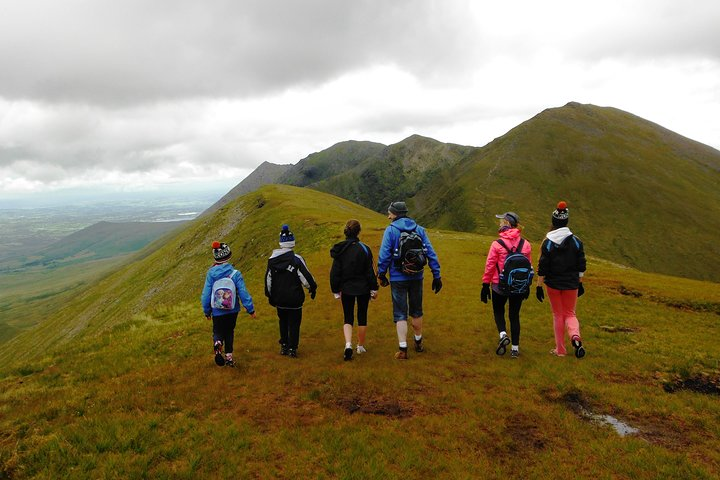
<point x="622" y="428"/>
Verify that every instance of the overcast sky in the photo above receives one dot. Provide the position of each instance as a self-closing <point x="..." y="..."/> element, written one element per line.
<point x="136" y="95"/>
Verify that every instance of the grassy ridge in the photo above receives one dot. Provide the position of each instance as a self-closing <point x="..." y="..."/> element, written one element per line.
<point x="330" y="162"/>
<point x="639" y="194"/>
<point x="397" y="172"/>
<point x="135" y="394"/>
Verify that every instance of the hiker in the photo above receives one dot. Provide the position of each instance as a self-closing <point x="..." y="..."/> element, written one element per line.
<point x="561" y="269"/>
<point x="405" y="250"/>
<point x="285" y="278"/>
<point x="222" y="294"/>
<point x="352" y="279"/>
<point x="509" y="277"/>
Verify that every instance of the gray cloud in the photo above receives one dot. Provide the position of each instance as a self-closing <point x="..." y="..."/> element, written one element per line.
<point x="137" y="51"/>
<point x="176" y="88"/>
<point x="654" y="30"/>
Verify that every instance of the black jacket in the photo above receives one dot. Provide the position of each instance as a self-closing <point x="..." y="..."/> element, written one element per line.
<point x="285" y="277"/>
<point x="561" y="264"/>
<point x="352" y="269"/>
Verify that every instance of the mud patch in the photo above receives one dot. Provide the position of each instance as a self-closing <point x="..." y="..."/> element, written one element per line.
<point x="669" y="433"/>
<point x="700" y="383"/>
<point x="684" y="305"/>
<point x="375" y="406"/>
<point x="525" y="434"/>
<point x="629" y="292"/>
<point x="689" y="306"/>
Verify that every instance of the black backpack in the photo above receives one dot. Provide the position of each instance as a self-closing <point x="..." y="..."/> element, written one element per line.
<point x="517" y="273"/>
<point x="411" y="257"/>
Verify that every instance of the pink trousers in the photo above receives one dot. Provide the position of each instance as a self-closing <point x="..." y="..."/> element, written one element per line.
<point x="563" y="307"/>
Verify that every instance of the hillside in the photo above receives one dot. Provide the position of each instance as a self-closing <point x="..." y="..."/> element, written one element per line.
<point x="399" y="171"/>
<point x="101" y="240"/>
<point x="332" y="161"/>
<point x="266" y="173"/>
<point x="120" y="383"/>
<point x="639" y="194"/>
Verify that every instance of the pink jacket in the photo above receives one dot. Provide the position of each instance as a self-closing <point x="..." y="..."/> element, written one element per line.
<point x="497" y="254"/>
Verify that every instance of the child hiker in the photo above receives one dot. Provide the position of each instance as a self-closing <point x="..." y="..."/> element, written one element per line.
<point x="561" y="269"/>
<point x="222" y="294"/>
<point x="285" y="278"/>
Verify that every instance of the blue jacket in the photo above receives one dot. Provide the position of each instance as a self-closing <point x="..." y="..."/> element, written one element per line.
<point x="390" y="241"/>
<point x="217" y="272"/>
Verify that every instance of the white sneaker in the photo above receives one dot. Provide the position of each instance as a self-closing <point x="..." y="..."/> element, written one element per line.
<point x="361" y="349"/>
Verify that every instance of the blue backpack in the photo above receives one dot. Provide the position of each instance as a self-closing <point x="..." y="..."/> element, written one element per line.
<point x="517" y="273"/>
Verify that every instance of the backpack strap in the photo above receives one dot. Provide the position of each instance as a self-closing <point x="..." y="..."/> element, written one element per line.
<point x="510" y="251"/>
<point x="396" y="251"/>
<point x="517" y="249"/>
<point x="367" y="252"/>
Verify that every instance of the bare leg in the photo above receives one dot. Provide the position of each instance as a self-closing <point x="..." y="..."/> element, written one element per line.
<point x="417" y="325"/>
<point x="347" y="330"/>
<point x="402" y="329"/>
<point x="361" y="335"/>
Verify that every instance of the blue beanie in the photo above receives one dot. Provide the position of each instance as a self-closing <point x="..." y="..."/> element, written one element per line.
<point x="287" y="239"/>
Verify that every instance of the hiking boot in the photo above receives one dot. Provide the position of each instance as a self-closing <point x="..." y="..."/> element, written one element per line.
<point x="219" y="359"/>
<point x="419" y="347"/>
<point x="284" y="349"/>
<point x="555" y="352"/>
<point x="292" y="352"/>
<point x="578" y="346"/>
<point x="348" y="354"/>
<point x="361" y="349"/>
<point x="514" y="353"/>
<point x="401" y="355"/>
<point x="229" y="362"/>
<point x="502" y="345"/>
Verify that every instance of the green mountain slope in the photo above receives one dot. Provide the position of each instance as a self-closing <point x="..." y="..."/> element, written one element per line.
<point x="639" y="194"/>
<point x="266" y="173"/>
<point x="102" y="240"/>
<point x="120" y="382"/>
<point x="329" y="162"/>
<point x="396" y="172"/>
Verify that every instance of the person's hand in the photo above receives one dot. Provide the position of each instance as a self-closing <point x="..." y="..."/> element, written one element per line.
<point x="581" y="290"/>
<point x="253" y="315"/>
<point x="485" y="293"/>
<point x="527" y="293"/>
<point x="312" y="294"/>
<point x="539" y="293"/>
<point x="436" y="285"/>
<point x="208" y="317"/>
<point x="373" y="294"/>
<point x="383" y="280"/>
<point x="337" y="295"/>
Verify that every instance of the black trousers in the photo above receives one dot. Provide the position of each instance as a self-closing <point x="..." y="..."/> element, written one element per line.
<point x="515" y="302"/>
<point x="224" y="330"/>
<point x="348" y="303"/>
<point x="289" y="320"/>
